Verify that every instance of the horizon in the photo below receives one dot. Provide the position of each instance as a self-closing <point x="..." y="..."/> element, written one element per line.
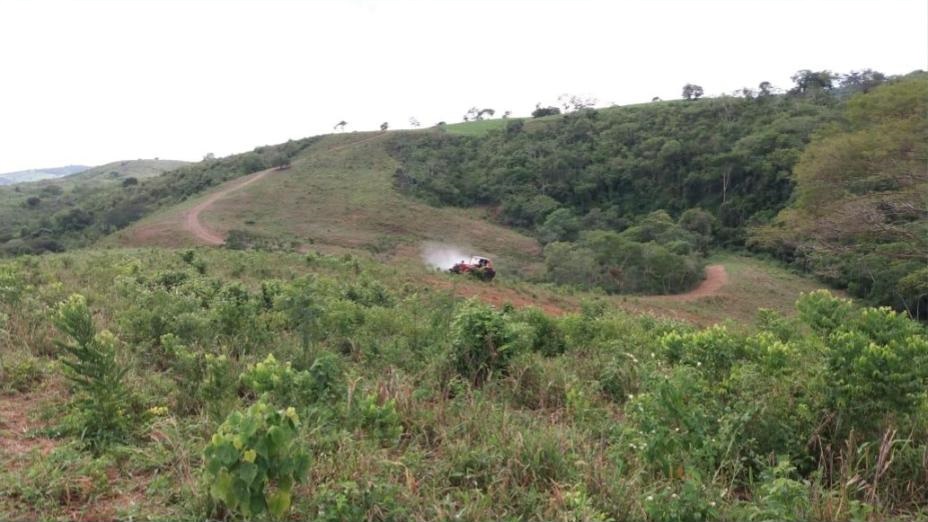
<point x="179" y="81"/>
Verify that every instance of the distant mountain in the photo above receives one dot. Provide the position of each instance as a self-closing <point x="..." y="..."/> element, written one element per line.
<point x="23" y="176"/>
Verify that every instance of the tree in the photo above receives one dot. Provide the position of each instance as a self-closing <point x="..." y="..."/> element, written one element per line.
<point x="209" y="157"/>
<point x="340" y="125"/>
<point x="507" y="114"/>
<point x="573" y="102"/>
<point x="384" y="126"/>
<point x="692" y="91"/>
<point x="656" y="99"/>
<point x="544" y="111"/>
<point x="33" y="201"/>
<point x="765" y="88"/>
<point x="861" y="81"/>
<point x="811" y="82"/>
<point x="414" y="122"/>
<point x="130" y="181"/>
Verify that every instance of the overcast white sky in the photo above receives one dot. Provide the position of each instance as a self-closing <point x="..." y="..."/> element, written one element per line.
<point x="90" y="82"/>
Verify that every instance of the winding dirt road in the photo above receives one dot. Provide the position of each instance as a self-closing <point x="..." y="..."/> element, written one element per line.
<point x="716" y="278"/>
<point x="192" y="222"/>
<point x="191" y="218"/>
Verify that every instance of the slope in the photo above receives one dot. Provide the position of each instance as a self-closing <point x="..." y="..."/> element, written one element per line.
<point x="43" y="215"/>
<point x="25" y="176"/>
<point x="337" y="195"/>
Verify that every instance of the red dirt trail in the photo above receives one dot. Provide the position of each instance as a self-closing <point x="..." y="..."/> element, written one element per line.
<point x="716" y="278"/>
<point x="191" y="222"/>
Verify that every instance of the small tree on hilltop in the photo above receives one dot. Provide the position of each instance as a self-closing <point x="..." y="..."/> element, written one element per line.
<point x="692" y="91"/>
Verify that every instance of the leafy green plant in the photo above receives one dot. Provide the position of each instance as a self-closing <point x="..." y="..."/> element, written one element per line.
<point x="379" y="418"/>
<point x="254" y="459"/>
<point x="687" y="500"/>
<point x="205" y="381"/>
<point x="280" y="384"/>
<point x="713" y="350"/>
<point x="479" y="341"/>
<point x="353" y="502"/>
<point x="780" y="496"/>
<point x="101" y="407"/>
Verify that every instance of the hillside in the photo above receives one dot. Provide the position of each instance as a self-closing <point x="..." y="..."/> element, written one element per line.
<point x="338" y="195"/>
<point x="25" y="176"/>
<point x="48" y="214"/>
<point x="269" y="334"/>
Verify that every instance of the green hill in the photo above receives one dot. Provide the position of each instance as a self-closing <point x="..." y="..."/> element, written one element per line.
<point x="25" y="176"/>
<point x="269" y="335"/>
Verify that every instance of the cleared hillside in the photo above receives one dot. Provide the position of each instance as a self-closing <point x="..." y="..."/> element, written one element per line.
<point x="338" y="194"/>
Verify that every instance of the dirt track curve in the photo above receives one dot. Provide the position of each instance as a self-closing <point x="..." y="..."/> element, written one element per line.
<point x="191" y="222"/>
<point x="716" y="278"/>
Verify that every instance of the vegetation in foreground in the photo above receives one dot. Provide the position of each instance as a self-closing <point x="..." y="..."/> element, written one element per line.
<point x="233" y="385"/>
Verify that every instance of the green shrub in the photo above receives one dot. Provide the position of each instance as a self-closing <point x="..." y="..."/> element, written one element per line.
<point x="713" y="349"/>
<point x="378" y="418"/>
<point x="822" y="311"/>
<point x="280" y="384"/>
<point x="12" y="286"/>
<point x="479" y="341"/>
<point x="687" y="500"/>
<point x="543" y="335"/>
<point x="352" y="502"/>
<point x="205" y="381"/>
<point x="101" y="408"/>
<point x="21" y="374"/>
<point x="254" y="459"/>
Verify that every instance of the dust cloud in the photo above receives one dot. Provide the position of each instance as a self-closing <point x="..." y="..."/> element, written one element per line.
<point x="441" y="256"/>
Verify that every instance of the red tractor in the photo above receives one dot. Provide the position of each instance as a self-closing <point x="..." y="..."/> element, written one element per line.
<point x="479" y="267"/>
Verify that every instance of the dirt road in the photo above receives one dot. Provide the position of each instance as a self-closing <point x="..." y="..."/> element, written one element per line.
<point x="192" y="221"/>
<point x="191" y="218"/>
<point x="716" y="278"/>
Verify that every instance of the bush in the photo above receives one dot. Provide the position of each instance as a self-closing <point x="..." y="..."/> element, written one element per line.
<point x="254" y="459"/>
<point x="379" y="418"/>
<point x="479" y="343"/>
<point x="102" y="406"/>
<point x="280" y="384"/>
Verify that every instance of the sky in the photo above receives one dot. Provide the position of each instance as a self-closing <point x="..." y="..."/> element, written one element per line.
<point x="90" y="82"/>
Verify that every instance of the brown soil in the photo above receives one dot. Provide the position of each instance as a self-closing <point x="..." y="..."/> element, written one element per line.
<point x="192" y="223"/>
<point x="16" y="439"/>
<point x="716" y="278"/>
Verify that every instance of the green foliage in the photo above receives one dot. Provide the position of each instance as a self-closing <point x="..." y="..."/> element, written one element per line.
<point x="205" y="381"/>
<point x="780" y="495"/>
<point x="378" y="418"/>
<point x="77" y="211"/>
<point x="859" y="219"/>
<point x="101" y="409"/>
<point x="729" y="156"/>
<point x="686" y="501"/>
<point x="636" y="260"/>
<point x="254" y="459"/>
<point x="712" y="349"/>
<point x="479" y="343"/>
<point x="280" y="384"/>
<point x="353" y="502"/>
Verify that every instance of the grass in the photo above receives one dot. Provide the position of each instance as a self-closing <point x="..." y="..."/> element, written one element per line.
<point x="552" y="438"/>
<point x="339" y="196"/>
<point x="476" y="128"/>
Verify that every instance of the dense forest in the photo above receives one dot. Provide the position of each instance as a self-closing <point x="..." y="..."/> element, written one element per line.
<point x="721" y="168"/>
<point x="860" y="216"/>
